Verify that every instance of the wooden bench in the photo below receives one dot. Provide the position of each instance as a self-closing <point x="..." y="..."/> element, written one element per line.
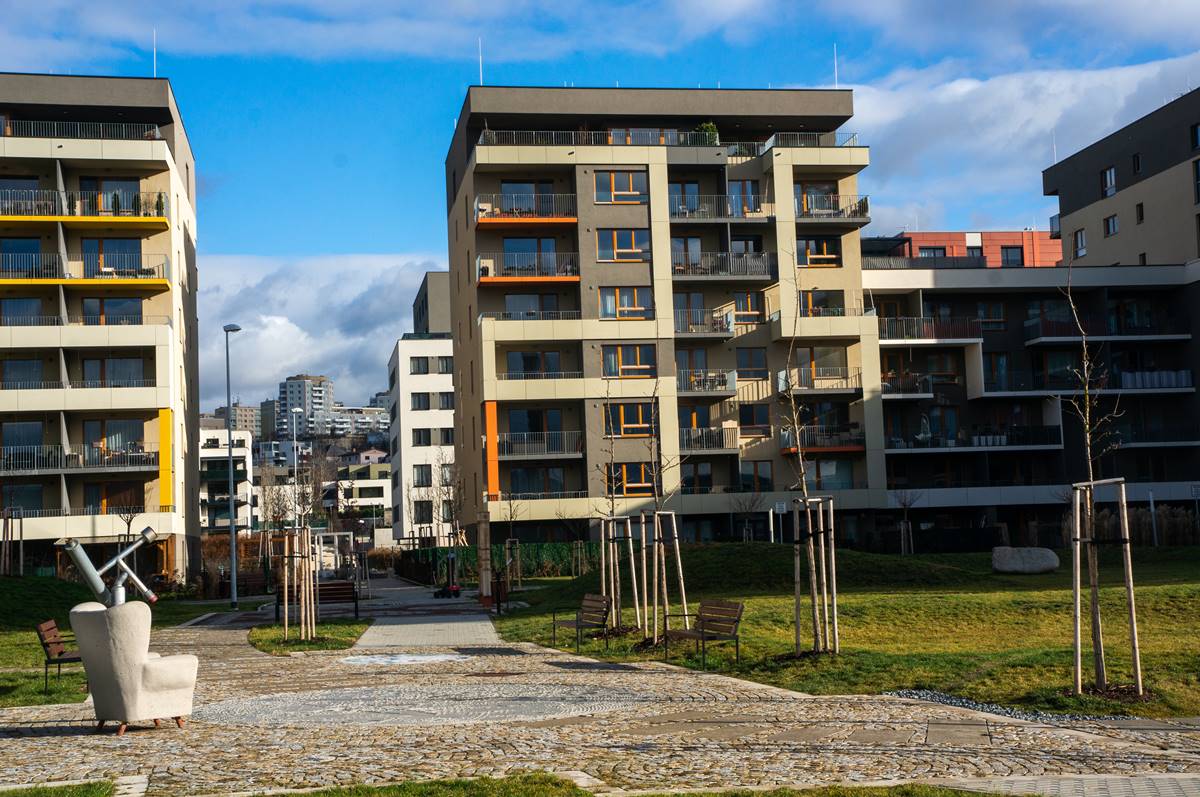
<point x="55" y="648"/>
<point x="592" y="613"/>
<point x="327" y="592"/>
<point x="717" y="621"/>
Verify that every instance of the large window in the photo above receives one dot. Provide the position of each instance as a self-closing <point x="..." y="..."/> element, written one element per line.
<point x="754" y="420"/>
<point x="622" y="245"/>
<point x="630" y="478"/>
<point x="422" y="475"/>
<point x="529" y="257"/>
<point x="422" y="437"/>
<point x="632" y="302"/>
<point x="446" y="436"/>
<point x="23" y="496"/>
<point x="422" y="512"/>
<point x="686" y="253"/>
<point x="111" y="257"/>
<point x="1012" y="256"/>
<point x="418" y="365"/>
<point x="629" y="419"/>
<point x="20" y="311"/>
<point x="621" y="187"/>
<point x="695" y="478"/>
<point x="991" y="315"/>
<point x="114" y="434"/>
<point x="748" y="307"/>
<point x="17" y="373"/>
<point x="756" y="476"/>
<point x="22" y="256"/>
<point x="537" y="420"/>
<point x="752" y="363"/>
<point x="446" y="400"/>
<point x="534" y="362"/>
<point x="112" y="310"/>
<point x="537" y="481"/>
<point x="822" y="303"/>
<point x="113" y="372"/>
<point x="445" y="365"/>
<point x="932" y="251"/>
<point x="683" y="197"/>
<point x="632" y="360"/>
<point x="420" y="401"/>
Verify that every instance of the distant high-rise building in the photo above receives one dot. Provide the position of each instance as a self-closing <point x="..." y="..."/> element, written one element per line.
<point x="311" y="394"/>
<point x="245" y="418"/>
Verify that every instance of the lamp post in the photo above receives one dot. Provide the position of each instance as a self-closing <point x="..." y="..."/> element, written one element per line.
<point x="233" y="535"/>
<point x="296" y="413"/>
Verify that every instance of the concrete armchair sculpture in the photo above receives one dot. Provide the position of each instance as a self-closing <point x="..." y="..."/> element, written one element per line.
<point x="129" y="683"/>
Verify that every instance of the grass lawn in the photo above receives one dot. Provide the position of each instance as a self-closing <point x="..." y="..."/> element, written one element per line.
<point x="32" y="600"/>
<point x="336" y="634"/>
<point x="95" y="789"/>
<point x="943" y="622"/>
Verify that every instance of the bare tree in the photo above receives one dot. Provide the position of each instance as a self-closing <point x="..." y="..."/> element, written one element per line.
<point x="906" y="500"/>
<point x="449" y="493"/>
<point x="128" y="514"/>
<point x="746" y="503"/>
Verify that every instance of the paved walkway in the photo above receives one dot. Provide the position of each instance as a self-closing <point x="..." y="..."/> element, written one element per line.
<point x="468" y="708"/>
<point x="429" y="630"/>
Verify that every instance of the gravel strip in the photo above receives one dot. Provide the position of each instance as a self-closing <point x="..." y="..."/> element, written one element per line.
<point x="1004" y="711"/>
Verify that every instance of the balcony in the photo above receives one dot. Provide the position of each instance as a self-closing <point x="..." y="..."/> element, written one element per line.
<point x="41" y="459"/>
<point x="821" y="380"/>
<point x="1104" y="328"/>
<point x="713" y="440"/>
<point x="1061" y="382"/>
<point x="1179" y="435"/>
<point x="704" y="324"/>
<point x="86" y="208"/>
<point x="833" y="208"/>
<point x="532" y="315"/>
<point x="526" y="208"/>
<point x="711" y="383"/>
<point x="723" y="266"/>
<point x="661" y="138"/>
<point x="109" y="131"/>
<point x="929" y="330"/>
<point x="1010" y="438"/>
<point x="827" y="438"/>
<point x="541" y="496"/>
<point x="88" y="384"/>
<point x="719" y="207"/>
<point x="525" y="445"/>
<point x="50" y="266"/>
<point x="523" y="376"/>
<point x="831" y="139"/>
<point x="92" y="511"/>
<point x="888" y="263"/>
<point x="500" y="268"/>
<point x="906" y="386"/>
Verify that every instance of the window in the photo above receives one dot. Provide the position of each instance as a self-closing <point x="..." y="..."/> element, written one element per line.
<point x="534" y="362"/>
<point x="696" y="478"/>
<point x="1012" y="256"/>
<point x="990" y="315"/>
<point x="447" y="511"/>
<point x="748" y="307"/>
<point x="630" y="478"/>
<point x="819" y="252"/>
<point x="111" y="310"/>
<point x="446" y="401"/>
<point x="829" y="474"/>
<point x="422" y="437"/>
<point x="418" y="365"/>
<point x="529" y="257"/>
<point x="644" y="136"/>
<point x="754" y="420"/>
<point x="447" y="475"/>
<point x="445" y="365"/>
<point x="629" y="419"/>
<point x="1142" y="259"/>
<point x="392" y="378"/>
<point x="422" y="475"/>
<point x="1139" y="213"/>
<point x="370" y="492"/>
<point x="974" y="251"/>
<point x="1137" y="163"/>
<point x="537" y="481"/>
<point x="687" y="254"/>
<point x="1079" y="242"/>
<point x="1194" y="136"/>
<point x="621" y="188"/>
<point x="114" y="372"/>
<point x="109" y="257"/>
<point x="446" y="436"/>
<point x="525" y="421"/>
<point x="1108" y="182"/>
<point x="420" y="401"/>
<point x="1110" y="226"/>
<point x="752" y="363"/>
<point x="932" y="251"/>
<point x="942" y="367"/>
<point x="635" y="302"/>
<point x="822" y="303"/>
<point x="756" y="476"/>
<point x="995" y="367"/>
<point x="633" y="360"/>
<point x="1196" y="180"/>
<point x="683" y="198"/>
<point x="422" y="512"/>
<point x="622" y="246"/>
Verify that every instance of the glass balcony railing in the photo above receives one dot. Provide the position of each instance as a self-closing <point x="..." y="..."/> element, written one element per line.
<point x="929" y="328"/>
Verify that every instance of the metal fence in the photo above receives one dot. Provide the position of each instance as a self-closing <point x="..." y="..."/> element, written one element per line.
<point x="117" y="131"/>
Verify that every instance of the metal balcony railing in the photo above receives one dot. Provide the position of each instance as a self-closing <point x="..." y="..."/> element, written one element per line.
<point x="822" y="436"/>
<point x="113" y="131"/>
<point x="1005" y="437"/>
<point x="831" y="139"/>
<point x="109" y="204"/>
<point x="31" y="321"/>
<point x="1068" y="382"/>
<point x="703" y="322"/>
<point x="821" y="378"/>
<point x="549" y="264"/>
<point x="901" y="384"/>
<point x="525" y="206"/>
<point x="536" y="496"/>
<point x="111" y="383"/>
<point x="1129" y="435"/>
<point x="889" y="263"/>
<point x="833" y="206"/>
<point x="532" y="315"/>
<point x="1102" y="326"/>
<point x="720" y="206"/>
<point x="19" y="384"/>
<point x="118" y="320"/>
<point x="723" y="264"/>
<point x="711" y="439"/>
<point x="829" y="311"/>
<point x="929" y="328"/>
<point x="667" y="138"/>
<point x="16" y="459"/>
<point x="533" y="375"/>
<point x="706" y="381"/>
<point x="520" y="444"/>
<point x="94" y="266"/>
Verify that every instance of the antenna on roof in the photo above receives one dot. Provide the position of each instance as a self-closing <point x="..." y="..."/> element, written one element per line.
<point x="480" y="42"/>
<point x="154" y="50"/>
<point x="835" y="75"/>
<point x="1053" y="146"/>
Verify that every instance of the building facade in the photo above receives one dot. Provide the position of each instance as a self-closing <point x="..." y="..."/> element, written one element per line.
<point x="311" y="394"/>
<point x="660" y="298"/>
<point x="97" y="301"/>
<point x="993" y="249"/>
<point x="245" y="418"/>
<point x="214" y="481"/>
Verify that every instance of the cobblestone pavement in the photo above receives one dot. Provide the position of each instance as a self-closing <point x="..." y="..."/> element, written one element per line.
<point x="315" y="720"/>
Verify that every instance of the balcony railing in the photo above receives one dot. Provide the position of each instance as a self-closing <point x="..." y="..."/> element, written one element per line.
<point x="537" y="496"/>
<point x="889" y="263"/>
<point x="1102" y="326"/>
<point x="720" y="206"/>
<point x="525" y="206"/>
<point x="830" y="311"/>
<point x="1067" y="382"/>
<point x="118" y="320"/>
<point x="832" y="139"/>
<point x="703" y="322"/>
<point x="19" y="384"/>
<point x="1009" y="437"/>
<point x="111" y="266"/>
<point x="821" y="378"/>
<point x="1133" y="435"/>
<point x="519" y="376"/>
<point x="87" y="511"/>
<point x="523" y="444"/>
<point x="108" y="204"/>
<point x="706" y="381"/>
<point x="113" y="383"/>
<point x="721" y="438"/>
<point x="833" y="206"/>
<point x="905" y="384"/>
<point x="822" y="436"/>
<point x="508" y="264"/>
<point x="16" y="459"/>
<point x="929" y="328"/>
<point x="723" y="264"/>
<point x="113" y="131"/>
<point x="667" y="138"/>
<point x="532" y="315"/>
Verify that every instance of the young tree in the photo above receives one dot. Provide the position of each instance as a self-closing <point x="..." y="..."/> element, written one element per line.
<point x="906" y="500"/>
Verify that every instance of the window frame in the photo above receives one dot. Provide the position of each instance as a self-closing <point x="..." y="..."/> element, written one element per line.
<point x="635" y="370"/>
<point x="632" y="254"/>
<point x="983" y="310"/>
<point x="640" y="310"/>
<point x="640" y="427"/>
<point x="418" y="475"/>
<point x="1008" y="250"/>
<point x="757" y="478"/>
<point x="644" y="476"/>
<point x="1079" y="242"/>
<point x="616" y="196"/>
<point x="751" y="371"/>
<point x="749" y="314"/>
<point x="418" y="366"/>
<point x="1110" y="225"/>
<point x="1108" y="182"/>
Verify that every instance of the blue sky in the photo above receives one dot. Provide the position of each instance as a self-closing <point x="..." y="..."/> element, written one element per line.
<point x="320" y="127"/>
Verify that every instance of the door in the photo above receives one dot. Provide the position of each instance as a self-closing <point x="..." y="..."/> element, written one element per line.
<point x="683" y="197"/>
<point x="744" y="198"/>
<point x="689" y="311"/>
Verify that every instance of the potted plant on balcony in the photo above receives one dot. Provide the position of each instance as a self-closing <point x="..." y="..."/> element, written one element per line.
<point x="707" y="133"/>
<point x="158" y="205"/>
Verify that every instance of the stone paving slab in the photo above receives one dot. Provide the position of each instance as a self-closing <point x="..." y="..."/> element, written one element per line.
<point x="429" y="630"/>
<point x="1154" y="786"/>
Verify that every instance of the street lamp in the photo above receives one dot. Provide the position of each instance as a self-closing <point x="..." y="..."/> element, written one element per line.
<point x="296" y="413"/>
<point x="233" y="535"/>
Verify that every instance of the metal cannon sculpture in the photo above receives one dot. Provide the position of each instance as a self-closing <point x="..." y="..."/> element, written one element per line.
<point x="114" y="595"/>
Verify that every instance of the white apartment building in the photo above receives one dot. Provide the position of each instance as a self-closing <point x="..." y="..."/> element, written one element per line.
<point x="424" y="479"/>
<point x="310" y="393"/>
<point x="214" y="481"/>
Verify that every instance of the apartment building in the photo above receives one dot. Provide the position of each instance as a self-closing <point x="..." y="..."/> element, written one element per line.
<point x="99" y="410"/>
<point x="364" y="500"/>
<point x="1133" y="197"/>
<point x="245" y="418"/>
<point x="431" y="307"/>
<point x="214" y="481"/>
<point x="993" y="249"/>
<point x="309" y="393"/>
<point x="660" y="298"/>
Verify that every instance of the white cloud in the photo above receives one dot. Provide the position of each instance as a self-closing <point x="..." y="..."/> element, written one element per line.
<point x="337" y="315"/>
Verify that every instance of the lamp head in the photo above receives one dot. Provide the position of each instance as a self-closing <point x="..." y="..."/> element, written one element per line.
<point x="232" y="328"/>
<point x="297" y="410"/>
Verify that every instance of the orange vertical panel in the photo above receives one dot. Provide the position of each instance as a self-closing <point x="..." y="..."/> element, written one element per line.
<point x="491" y="447"/>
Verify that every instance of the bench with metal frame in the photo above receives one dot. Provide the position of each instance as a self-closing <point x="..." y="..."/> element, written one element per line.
<point x="54" y="644"/>
<point x="716" y="621"/>
<point x="327" y="592"/>
<point x="592" y="613"/>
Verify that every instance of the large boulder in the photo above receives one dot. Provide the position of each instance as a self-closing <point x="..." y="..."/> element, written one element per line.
<point x="1024" y="560"/>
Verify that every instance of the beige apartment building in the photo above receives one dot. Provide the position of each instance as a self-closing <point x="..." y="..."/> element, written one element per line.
<point x="98" y="365"/>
